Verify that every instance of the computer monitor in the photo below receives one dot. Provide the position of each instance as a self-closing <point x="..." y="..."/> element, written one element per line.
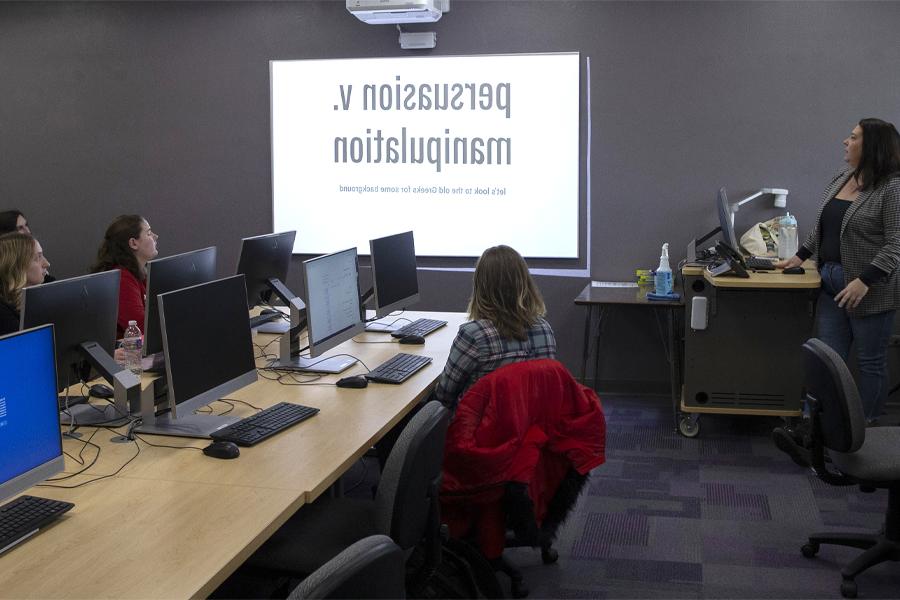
<point x="726" y="220"/>
<point x="30" y="439"/>
<point x="395" y="280"/>
<point x="168" y="274"/>
<point x="83" y="311"/>
<point x="333" y="311"/>
<point x="264" y="261"/>
<point x="209" y="354"/>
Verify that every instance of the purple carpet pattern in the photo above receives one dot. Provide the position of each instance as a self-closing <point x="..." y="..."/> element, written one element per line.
<point x="722" y="515"/>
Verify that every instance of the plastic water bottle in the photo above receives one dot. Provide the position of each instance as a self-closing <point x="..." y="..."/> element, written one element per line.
<point x="663" y="279"/>
<point x="132" y="345"/>
<point x="787" y="236"/>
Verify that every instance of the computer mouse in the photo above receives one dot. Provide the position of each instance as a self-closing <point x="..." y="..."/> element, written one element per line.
<point x="412" y="339"/>
<point x="222" y="450"/>
<point x="354" y="381"/>
<point x="794" y="271"/>
<point x="101" y="390"/>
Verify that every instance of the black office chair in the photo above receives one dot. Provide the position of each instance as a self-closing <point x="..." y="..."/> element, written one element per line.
<point x="373" y="567"/>
<point x="859" y="456"/>
<point x="405" y="506"/>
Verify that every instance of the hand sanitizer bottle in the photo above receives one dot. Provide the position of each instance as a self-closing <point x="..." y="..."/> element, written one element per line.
<point x="664" y="273"/>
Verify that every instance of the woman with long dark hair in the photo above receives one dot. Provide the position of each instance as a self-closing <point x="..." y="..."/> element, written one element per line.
<point x="128" y="245"/>
<point x="856" y="239"/>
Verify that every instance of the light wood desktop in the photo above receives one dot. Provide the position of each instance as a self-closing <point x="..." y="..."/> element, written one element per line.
<point x="175" y="523"/>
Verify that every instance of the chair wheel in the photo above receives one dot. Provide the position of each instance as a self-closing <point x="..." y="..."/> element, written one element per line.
<point x="848" y="588"/>
<point x="549" y="556"/>
<point x="810" y="550"/>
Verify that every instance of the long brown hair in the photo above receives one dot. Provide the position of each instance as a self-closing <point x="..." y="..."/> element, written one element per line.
<point x="504" y="293"/>
<point x="16" y="254"/>
<point x="115" y="252"/>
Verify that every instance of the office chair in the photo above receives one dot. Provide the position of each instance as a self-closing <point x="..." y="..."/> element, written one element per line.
<point x="517" y="456"/>
<point x="405" y="506"/>
<point x="859" y="456"/>
<point x="370" y="568"/>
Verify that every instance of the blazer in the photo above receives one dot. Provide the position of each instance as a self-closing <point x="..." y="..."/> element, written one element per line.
<point x="9" y="318"/>
<point x="870" y="234"/>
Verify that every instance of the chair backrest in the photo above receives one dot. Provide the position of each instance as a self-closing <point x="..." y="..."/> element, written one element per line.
<point x="373" y="567"/>
<point x="829" y="382"/>
<point x="411" y="477"/>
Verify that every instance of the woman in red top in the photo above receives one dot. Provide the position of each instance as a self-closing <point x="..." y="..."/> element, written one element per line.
<point x="128" y="245"/>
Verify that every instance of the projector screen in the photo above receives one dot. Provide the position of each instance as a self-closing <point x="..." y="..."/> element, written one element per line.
<point x="466" y="151"/>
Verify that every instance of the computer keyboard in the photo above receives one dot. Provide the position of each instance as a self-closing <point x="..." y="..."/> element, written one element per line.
<point x="264" y="424"/>
<point x="760" y="264"/>
<point x="265" y="317"/>
<point x="398" y="368"/>
<point x="25" y="515"/>
<point x="419" y="327"/>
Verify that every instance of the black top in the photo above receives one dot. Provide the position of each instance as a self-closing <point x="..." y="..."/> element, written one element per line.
<point x="830" y="240"/>
<point x="830" y="223"/>
<point x="9" y="318"/>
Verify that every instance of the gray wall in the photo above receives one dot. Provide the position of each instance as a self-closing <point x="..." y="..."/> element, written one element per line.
<point x="163" y="109"/>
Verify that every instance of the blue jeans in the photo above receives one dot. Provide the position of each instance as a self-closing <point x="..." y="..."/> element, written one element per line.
<point x="871" y="334"/>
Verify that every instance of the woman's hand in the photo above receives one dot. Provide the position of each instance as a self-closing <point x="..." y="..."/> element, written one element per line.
<point x="793" y="261"/>
<point x="851" y="295"/>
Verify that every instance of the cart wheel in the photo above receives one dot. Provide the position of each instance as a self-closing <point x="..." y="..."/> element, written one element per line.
<point x="689" y="426"/>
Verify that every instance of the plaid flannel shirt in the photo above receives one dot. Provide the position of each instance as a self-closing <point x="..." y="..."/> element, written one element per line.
<point x="479" y="349"/>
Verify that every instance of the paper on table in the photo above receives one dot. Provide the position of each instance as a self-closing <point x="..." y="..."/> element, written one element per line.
<point x="614" y="284"/>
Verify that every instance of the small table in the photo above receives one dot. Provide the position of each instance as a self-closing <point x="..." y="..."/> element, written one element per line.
<point x="601" y="299"/>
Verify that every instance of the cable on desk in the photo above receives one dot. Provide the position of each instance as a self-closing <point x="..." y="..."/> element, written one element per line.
<point x="80" y="471"/>
<point x="167" y="446"/>
<point x="242" y="402"/>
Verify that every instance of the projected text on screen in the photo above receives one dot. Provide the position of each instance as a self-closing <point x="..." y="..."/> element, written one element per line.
<point x="468" y="152"/>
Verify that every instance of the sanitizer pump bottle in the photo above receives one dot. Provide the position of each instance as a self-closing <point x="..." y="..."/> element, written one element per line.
<point x="664" y="273"/>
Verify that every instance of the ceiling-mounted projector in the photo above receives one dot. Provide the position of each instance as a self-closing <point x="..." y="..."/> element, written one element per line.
<point x="388" y="12"/>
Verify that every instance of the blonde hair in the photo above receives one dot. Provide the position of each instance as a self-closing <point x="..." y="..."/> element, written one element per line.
<point x="16" y="254"/>
<point x="504" y="293"/>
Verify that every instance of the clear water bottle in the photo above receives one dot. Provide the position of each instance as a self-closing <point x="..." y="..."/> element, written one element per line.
<point x="132" y="346"/>
<point x="787" y="236"/>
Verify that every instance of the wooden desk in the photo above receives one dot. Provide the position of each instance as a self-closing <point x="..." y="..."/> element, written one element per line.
<point x="175" y="523"/>
<point x="600" y="300"/>
<point x="747" y="360"/>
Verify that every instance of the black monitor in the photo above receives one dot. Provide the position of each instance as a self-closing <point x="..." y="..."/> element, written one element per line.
<point x="83" y="311"/>
<point x="209" y="354"/>
<point x="395" y="280"/>
<point x="264" y="261"/>
<point x="333" y="310"/>
<point x="30" y="440"/>
<point x="168" y="274"/>
<point x="726" y="220"/>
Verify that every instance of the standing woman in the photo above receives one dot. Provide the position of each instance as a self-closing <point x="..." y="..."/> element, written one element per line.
<point x="507" y="324"/>
<point x="22" y="263"/>
<point x="128" y="245"/>
<point x="857" y="239"/>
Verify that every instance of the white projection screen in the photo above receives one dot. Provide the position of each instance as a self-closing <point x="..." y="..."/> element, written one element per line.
<point x="466" y="151"/>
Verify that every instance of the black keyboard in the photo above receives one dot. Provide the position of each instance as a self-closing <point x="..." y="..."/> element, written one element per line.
<point x="264" y="424"/>
<point x="25" y="515"/>
<point x="265" y="317"/>
<point x="419" y="327"/>
<point x="760" y="264"/>
<point x="398" y="368"/>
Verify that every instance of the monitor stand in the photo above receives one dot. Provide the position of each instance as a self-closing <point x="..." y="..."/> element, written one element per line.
<point x="279" y="326"/>
<point x="377" y="327"/>
<point x="92" y="414"/>
<point x="192" y="426"/>
<point x="334" y="364"/>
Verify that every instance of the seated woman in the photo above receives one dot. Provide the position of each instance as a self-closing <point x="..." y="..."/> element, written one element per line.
<point x="128" y="245"/>
<point x="22" y="263"/>
<point x="507" y="324"/>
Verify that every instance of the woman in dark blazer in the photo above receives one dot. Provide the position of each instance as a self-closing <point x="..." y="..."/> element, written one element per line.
<point x="857" y="242"/>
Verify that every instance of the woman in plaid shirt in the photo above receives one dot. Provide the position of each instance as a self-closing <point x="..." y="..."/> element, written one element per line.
<point x="857" y="242"/>
<point x="507" y="325"/>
